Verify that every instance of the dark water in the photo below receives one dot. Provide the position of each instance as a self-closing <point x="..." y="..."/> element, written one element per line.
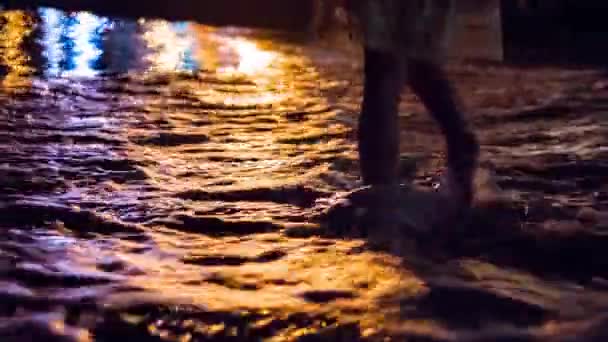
<point x="160" y="181"/>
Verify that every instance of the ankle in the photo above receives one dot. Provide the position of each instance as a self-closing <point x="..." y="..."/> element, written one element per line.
<point x="463" y="152"/>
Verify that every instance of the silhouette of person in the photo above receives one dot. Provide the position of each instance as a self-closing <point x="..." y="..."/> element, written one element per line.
<point x="405" y="43"/>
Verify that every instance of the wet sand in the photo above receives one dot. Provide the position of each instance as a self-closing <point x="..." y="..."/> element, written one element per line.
<point x="163" y="181"/>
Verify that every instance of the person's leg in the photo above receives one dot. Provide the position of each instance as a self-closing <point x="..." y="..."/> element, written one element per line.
<point x="378" y="132"/>
<point x="430" y="83"/>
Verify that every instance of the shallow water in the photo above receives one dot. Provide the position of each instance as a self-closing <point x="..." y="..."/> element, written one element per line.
<point x="161" y="180"/>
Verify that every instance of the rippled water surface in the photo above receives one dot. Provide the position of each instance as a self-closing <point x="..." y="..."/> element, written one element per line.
<point x="161" y="181"/>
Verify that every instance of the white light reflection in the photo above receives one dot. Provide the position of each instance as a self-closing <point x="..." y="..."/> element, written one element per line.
<point x="83" y="33"/>
<point x="171" y="44"/>
<point x="52" y="20"/>
<point x="69" y="42"/>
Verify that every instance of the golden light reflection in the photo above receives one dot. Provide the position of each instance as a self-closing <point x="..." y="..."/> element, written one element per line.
<point x="17" y="27"/>
<point x="246" y="58"/>
<point x="261" y="99"/>
<point x="258" y="75"/>
<point x="251" y="59"/>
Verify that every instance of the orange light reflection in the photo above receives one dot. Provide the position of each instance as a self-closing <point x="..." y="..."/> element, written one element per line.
<point x="18" y="26"/>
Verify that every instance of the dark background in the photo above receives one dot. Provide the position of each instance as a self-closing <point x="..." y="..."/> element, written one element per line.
<point x="279" y="14"/>
<point x="541" y="31"/>
<point x="574" y="31"/>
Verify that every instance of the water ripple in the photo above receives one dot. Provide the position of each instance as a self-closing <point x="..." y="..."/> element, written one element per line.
<point x="163" y="179"/>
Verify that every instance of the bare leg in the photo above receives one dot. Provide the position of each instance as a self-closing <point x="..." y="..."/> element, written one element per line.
<point x="379" y="147"/>
<point x="379" y="121"/>
<point x="429" y="82"/>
